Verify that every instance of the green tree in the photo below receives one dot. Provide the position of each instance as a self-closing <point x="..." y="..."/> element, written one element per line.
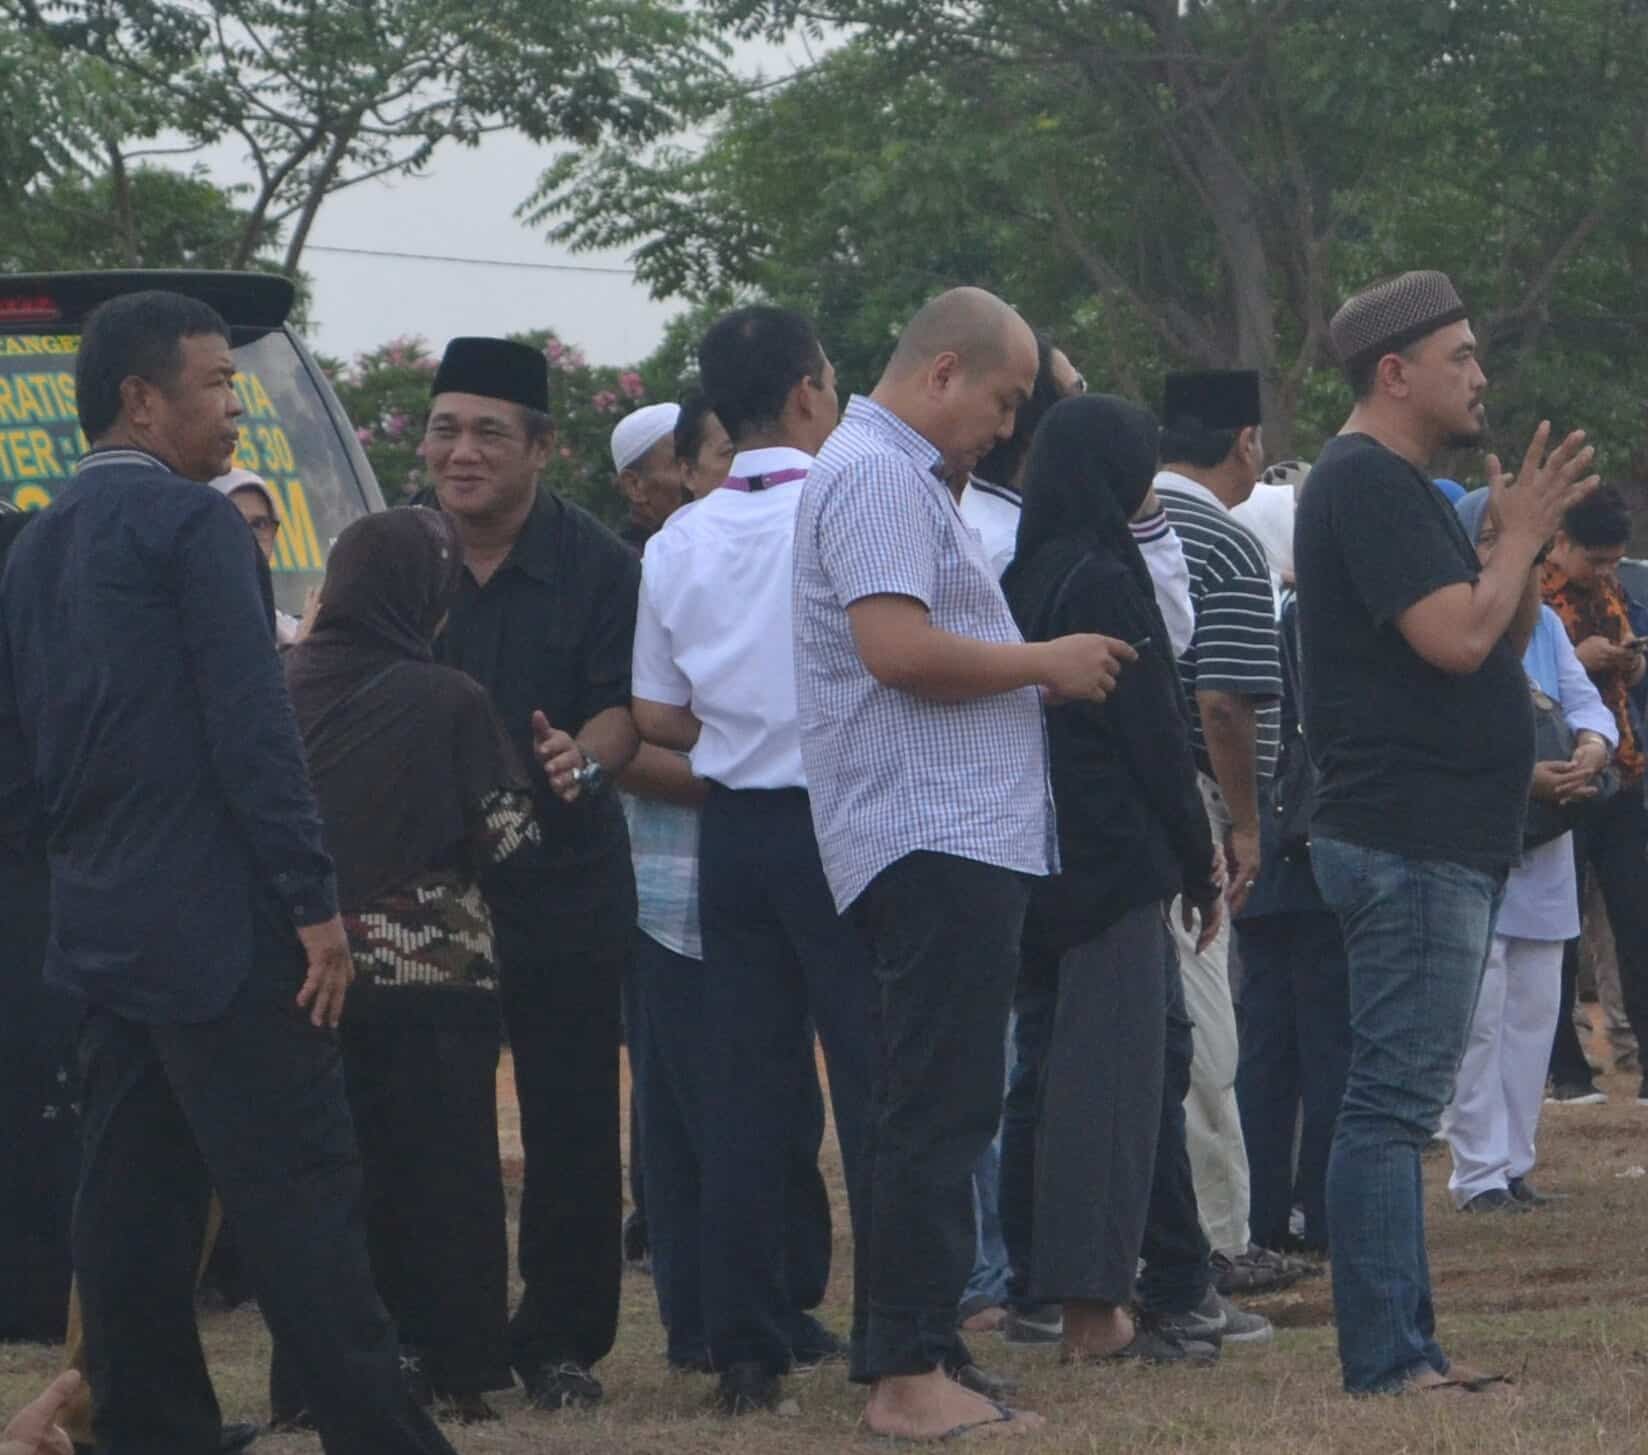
<point x="176" y="220"/>
<point x="327" y="95"/>
<point x="1176" y="184"/>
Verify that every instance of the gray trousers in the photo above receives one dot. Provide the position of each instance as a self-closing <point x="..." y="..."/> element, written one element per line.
<point x="1098" y="1110"/>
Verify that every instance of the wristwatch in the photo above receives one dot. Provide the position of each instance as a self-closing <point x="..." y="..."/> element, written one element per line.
<point x="592" y="777"/>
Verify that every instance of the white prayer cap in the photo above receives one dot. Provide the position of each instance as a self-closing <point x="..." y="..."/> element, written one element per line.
<point x="1268" y="513"/>
<point x="639" y="432"/>
<point x="239" y="479"/>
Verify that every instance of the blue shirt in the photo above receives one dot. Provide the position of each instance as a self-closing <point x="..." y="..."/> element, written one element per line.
<point x="145" y="727"/>
<point x="890" y="773"/>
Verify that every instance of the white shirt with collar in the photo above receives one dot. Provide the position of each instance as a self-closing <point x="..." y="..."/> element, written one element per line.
<point x="993" y="511"/>
<point x="713" y="626"/>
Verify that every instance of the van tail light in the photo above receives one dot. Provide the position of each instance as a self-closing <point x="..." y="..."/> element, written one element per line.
<point x="28" y="308"/>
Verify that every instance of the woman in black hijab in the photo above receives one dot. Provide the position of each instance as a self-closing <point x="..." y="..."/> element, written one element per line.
<point x="421" y="797"/>
<point x="1133" y="835"/>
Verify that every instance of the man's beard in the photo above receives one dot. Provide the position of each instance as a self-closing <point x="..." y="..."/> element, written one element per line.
<point x="1468" y="439"/>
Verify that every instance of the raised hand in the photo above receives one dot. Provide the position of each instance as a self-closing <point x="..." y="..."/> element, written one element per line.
<point x="1533" y="502"/>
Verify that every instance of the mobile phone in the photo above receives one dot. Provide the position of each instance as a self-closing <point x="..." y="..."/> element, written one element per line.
<point x="1142" y="645"/>
<point x="1636" y="644"/>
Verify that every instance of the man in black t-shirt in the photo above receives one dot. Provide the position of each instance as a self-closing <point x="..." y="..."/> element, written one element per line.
<point x="1419" y="718"/>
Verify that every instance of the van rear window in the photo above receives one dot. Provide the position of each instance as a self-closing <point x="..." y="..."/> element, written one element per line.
<point x="286" y="436"/>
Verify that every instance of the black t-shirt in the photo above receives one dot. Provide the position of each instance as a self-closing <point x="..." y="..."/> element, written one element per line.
<point x="1413" y="760"/>
<point x="553" y="629"/>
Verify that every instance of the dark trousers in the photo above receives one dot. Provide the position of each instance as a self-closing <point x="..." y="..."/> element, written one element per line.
<point x="778" y="961"/>
<point x="252" y="1104"/>
<point x="1614" y="842"/>
<point x="668" y="994"/>
<point x="1098" y="1111"/>
<point x="1295" y="1018"/>
<point x="424" y="1099"/>
<point x="945" y="932"/>
<point x="1035" y="1002"/>
<point x="1177" y="1256"/>
<point x="560" y="1002"/>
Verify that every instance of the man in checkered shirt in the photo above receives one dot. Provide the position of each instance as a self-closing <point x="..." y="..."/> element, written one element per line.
<point x="921" y="734"/>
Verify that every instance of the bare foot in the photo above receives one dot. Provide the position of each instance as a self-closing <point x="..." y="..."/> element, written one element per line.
<point x="985" y="1321"/>
<point x="1095" y="1330"/>
<point x="932" y="1406"/>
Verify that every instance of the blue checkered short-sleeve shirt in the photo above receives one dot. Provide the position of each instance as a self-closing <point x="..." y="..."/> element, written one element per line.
<point x="890" y="773"/>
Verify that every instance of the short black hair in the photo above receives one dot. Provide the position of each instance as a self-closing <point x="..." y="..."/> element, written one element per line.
<point x="1363" y="373"/>
<point x="137" y="334"/>
<point x="751" y="359"/>
<point x="1001" y="465"/>
<point x="689" y="425"/>
<point x="1187" y="442"/>
<point x="1600" y="521"/>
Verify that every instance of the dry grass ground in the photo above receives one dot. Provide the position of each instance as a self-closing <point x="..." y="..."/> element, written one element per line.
<point x="1560" y="1298"/>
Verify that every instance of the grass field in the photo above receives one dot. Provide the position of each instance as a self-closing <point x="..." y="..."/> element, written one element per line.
<point x="1559" y="1298"/>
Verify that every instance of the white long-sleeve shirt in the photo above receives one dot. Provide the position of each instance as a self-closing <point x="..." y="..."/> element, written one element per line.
<point x="1541" y="898"/>
<point x="992" y="511"/>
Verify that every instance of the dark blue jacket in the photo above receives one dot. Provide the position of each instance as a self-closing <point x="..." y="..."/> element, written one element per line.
<point x="145" y="728"/>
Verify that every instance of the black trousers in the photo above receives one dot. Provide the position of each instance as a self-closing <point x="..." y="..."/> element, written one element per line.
<point x="424" y="1099"/>
<point x="561" y="991"/>
<point x="253" y="1104"/>
<point x="668" y="995"/>
<point x="1098" y="1111"/>
<point x="1614" y="842"/>
<point x="1295" y="1018"/>
<point x="778" y="961"/>
<point x="945" y="932"/>
<point x="1177" y="1257"/>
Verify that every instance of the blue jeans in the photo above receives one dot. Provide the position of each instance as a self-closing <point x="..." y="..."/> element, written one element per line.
<point x="1416" y="939"/>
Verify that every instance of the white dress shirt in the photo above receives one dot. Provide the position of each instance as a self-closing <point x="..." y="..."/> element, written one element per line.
<point x="993" y="512"/>
<point x="713" y="626"/>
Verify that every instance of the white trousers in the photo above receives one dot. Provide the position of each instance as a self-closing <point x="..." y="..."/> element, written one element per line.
<point x="1213" y="1125"/>
<point x="1491" y="1122"/>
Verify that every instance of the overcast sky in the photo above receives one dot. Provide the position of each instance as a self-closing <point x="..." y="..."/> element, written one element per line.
<point x="463" y="207"/>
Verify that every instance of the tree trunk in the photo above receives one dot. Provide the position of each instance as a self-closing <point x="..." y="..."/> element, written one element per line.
<point x="125" y="223"/>
<point x="319" y="186"/>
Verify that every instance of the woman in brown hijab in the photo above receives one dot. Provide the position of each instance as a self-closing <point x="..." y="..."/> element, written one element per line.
<point x="422" y="798"/>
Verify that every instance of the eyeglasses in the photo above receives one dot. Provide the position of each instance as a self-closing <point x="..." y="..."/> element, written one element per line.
<point x="264" y="525"/>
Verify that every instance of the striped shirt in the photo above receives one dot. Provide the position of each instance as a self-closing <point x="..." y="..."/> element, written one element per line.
<point x="1235" y="647"/>
<point x="890" y="773"/>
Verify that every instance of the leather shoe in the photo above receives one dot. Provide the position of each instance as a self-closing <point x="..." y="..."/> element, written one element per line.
<point x="747" y="1389"/>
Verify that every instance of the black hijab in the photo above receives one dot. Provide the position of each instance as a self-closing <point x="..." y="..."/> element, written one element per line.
<point x="1090" y="468"/>
<point x="402" y="753"/>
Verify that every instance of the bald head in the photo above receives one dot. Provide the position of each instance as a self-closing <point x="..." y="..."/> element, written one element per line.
<point x="962" y="368"/>
<point x="975" y="326"/>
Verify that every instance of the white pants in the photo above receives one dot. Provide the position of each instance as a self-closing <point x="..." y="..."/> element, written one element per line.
<point x="1213" y="1125"/>
<point x="1491" y="1122"/>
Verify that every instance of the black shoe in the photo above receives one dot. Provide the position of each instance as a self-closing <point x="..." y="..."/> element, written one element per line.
<point x="1530" y="1196"/>
<point x="748" y="1389"/>
<point x="1258" y="1270"/>
<point x="637" y="1245"/>
<point x="1043" y="1324"/>
<point x="566" y="1386"/>
<point x="981" y="1381"/>
<point x="465" y="1409"/>
<point x="812" y="1345"/>
<point x="1152" y="1344"/>
<point x="288" y="1423"/>
<point x="1495" y="1199"/>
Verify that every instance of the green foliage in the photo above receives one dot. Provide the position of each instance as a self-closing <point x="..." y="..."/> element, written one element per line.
<point x="386" y="395"/>
<point x="180" y="220"/>
<point x="324" y="96"/>
<point x="1167" y="184"/>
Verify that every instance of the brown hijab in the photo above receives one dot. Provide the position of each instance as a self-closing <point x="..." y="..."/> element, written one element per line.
<point x="403" y="753"/>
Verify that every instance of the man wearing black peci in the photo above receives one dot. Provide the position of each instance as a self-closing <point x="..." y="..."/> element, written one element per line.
<point x="544" y="621"/>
